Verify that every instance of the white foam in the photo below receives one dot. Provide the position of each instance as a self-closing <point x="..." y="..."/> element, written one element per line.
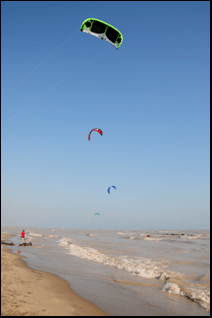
<point x="200" y="296"/>
<point x="35" y="234"/>
<point x="172" y="288"/>
<point x="191" y="237"/>
<point x="153" y="239"/>
<point x="139" y="266"/>
<point x="66" y="241"/>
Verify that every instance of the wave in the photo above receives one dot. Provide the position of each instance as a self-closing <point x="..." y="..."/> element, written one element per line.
<point x="139" y="266"/>
<point x="200" y="296"/>
<point x="36" y="234"/>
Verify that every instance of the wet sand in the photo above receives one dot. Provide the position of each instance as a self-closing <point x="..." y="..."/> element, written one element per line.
<point x="28" y="292"/>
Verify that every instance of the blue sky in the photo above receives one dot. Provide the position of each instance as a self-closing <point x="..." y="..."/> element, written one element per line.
<point x="150" y="97"/>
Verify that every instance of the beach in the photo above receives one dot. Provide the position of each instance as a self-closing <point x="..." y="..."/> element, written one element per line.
<point x="29" y="292"/>
<point x="101" y="272"/>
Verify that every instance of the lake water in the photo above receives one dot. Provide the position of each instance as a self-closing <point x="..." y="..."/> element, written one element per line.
<point x="126" y="272"/>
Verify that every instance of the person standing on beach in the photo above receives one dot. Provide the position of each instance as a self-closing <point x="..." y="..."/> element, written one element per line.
<point x="23" y="236"/>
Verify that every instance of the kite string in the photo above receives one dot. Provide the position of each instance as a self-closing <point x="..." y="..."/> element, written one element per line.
<point x="54" y="86"/>
<point x="25" y="77"/>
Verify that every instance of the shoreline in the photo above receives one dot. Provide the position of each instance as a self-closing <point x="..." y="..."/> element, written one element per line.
<point x="29" y="292"/>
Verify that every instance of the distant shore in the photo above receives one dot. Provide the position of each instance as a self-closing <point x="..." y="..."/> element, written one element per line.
<point x="29" y="292"/>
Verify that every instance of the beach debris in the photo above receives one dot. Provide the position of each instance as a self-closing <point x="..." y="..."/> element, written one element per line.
<point x="26" y="244"/>
<point x="6" y="243"/>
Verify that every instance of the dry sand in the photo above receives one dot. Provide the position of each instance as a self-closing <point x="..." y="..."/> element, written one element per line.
<point x="28" y="292"/>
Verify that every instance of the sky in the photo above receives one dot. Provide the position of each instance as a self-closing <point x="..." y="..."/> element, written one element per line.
<point x="151" y="98"/>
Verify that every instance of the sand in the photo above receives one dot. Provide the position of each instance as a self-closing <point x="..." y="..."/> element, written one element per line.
<point x="28" y="292"/>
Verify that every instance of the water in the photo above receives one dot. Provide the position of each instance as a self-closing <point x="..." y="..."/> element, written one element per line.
<point x="126" y="272"/>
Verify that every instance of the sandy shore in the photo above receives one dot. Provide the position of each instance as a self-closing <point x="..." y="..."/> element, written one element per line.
<point x="28" y="292"/>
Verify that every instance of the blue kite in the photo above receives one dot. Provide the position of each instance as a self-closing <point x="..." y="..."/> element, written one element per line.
<point x="108" y="190"/>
